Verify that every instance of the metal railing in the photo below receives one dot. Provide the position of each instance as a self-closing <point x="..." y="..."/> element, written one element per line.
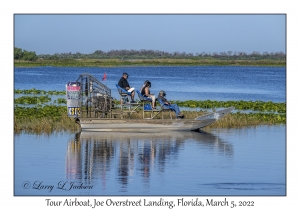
<point x="96" y="97"/>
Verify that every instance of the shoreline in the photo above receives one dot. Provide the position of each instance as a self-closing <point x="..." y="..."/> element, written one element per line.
<point x="146" y="62"/>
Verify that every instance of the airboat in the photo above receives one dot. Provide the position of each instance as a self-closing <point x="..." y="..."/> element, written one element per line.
<point x="92" y="106"/>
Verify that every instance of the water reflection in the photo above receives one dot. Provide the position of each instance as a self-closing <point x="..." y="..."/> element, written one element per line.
<point x="96" y="155"/>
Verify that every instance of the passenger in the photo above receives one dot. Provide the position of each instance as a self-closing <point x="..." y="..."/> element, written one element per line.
<point x="123" y="83"/>
<point x="145" y="91"/>
<point x="174" y="107"/>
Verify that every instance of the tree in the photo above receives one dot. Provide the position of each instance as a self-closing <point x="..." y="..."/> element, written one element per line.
<point x="98" y="52"/>
<point x="18" y="54"/>
<point x="29" y="56"/>
<point x="24" y="55"/>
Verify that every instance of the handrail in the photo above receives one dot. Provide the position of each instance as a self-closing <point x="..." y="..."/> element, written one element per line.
<point x="93" y="85"/>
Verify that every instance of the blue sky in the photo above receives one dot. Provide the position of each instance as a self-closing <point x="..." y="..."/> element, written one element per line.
<point x="190" y="33"/>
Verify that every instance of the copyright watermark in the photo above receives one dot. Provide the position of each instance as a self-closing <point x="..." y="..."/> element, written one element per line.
<point x="61" y="185"/>
<point x="26" y="185"/>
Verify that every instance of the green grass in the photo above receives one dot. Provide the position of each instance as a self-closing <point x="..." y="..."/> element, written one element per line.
<point x="147" y="62"/>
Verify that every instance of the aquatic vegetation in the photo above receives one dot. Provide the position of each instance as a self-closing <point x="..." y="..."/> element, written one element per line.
<point x="26" y="100"/>
<point x="30" y="91"/>
<point x="48" y="118"/>
<point x="40" y="111"/>
<point x="61" y="101"/>
<point x="35" y="91"/>
<point x="261" y="106"/>
<point x="51" y="118"/>
<point x="40" y="99"/>
<point x="55" y="92"/>
<point x="237" y="120"/>
<point x="239" y="105"/>
<point x="32" y="100"/>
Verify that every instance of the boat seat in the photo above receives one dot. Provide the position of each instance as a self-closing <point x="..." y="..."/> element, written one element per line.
<point x="165" y="108"/>
<point x="145" y="100"/>
<point x="124" y="94"/>
<point x="125" y="101"/>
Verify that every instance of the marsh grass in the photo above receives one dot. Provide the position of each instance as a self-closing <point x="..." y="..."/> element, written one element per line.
<point x="53" y="118"/>
<point x="147" y="62"/>
<point x="238" y="120"/>
<point x="45" y="125"/>
<point x="64" y="123"/>
<point x="43" y="119"/>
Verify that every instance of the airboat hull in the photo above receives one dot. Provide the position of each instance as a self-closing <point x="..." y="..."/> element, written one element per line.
<point x="151" y="125"/>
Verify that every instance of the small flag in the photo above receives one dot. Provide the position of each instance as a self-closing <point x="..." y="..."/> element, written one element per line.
<point x="104" y="77"/>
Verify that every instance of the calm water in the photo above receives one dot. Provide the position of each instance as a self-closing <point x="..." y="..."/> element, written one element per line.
<point x="180" y="83"/>
<point x="249" y="161"/>
<point x="221" y="162"/>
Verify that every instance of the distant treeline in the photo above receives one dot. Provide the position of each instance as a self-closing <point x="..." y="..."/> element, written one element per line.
<point x="20" y="54"/>
<point x="151" y="54"/>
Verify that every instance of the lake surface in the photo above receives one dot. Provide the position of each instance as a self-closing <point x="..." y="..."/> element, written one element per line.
<point x="180" y="83"/>
<point x="247" y="161"/>
<point x="220" y="162"/>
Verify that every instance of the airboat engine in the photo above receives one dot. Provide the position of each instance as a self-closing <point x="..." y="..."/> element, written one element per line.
<point x="89" y="98"/>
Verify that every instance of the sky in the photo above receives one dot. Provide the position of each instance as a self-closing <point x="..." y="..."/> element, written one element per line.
<point x="190" y="33"/>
